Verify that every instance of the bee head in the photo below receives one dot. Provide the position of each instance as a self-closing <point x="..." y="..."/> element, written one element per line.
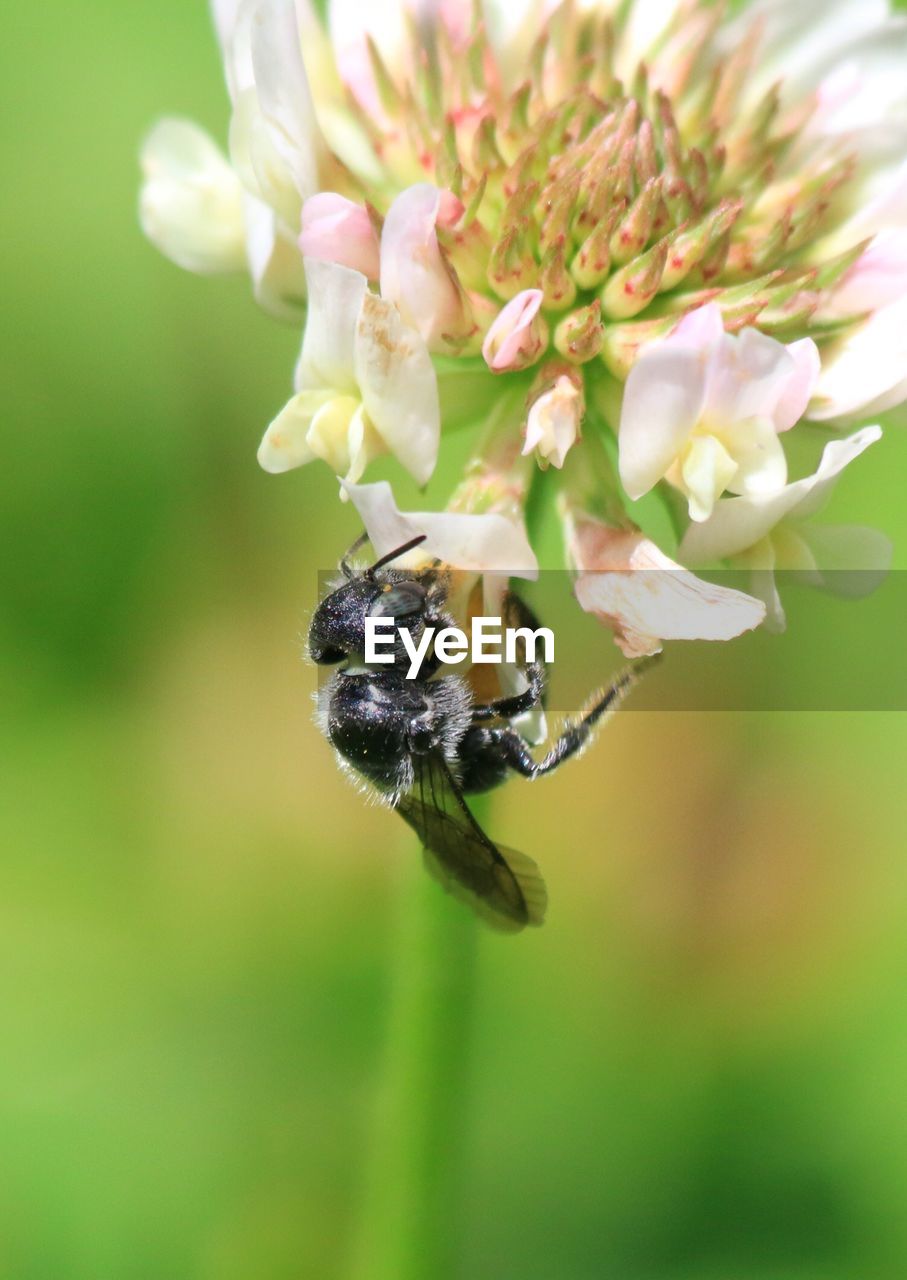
<point x="338" y="626"/>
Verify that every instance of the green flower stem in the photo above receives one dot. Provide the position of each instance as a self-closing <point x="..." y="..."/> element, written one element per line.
<point x="408" y="1227"/>
<point x="410" y="1214"/>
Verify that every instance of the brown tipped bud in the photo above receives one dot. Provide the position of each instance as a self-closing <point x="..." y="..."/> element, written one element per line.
<point x="623" y="342"/>
<point x="646" y="158"/>
<point x="713" y="263"/>
<point x="579" y="337"/>
<point x="690" y="245"/>
<point x="593" y="262"/>
<point x="634" y="229"/>
<point x="521" y="204"/>
<point x="636" y="284"/>
<point x="467" y="248"/>
<point x="511" y="267"/>
<point x="698" y="175"/>
<point x="555" y="280"/>
<point x="677" y="196"/>
<point x="561" y="202"/>
<point x="518" y="111"/>
<point x="792" y="315"/>
<point x="831" y="272"/>
<point x="485" y="153"/>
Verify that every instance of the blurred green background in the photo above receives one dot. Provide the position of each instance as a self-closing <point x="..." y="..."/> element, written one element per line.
<point x="696" y="1071"/>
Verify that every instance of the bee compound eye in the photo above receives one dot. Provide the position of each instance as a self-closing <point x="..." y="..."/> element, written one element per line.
<point x="401" y="600"/>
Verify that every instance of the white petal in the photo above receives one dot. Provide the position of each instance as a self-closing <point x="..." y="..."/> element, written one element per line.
<point x="751" y="374"/>
<point x="853" y="559"/>
<point x="284" y="444"/>
<point x="336" y="298"/>
<point x="663" y="399"/>
<point x="765" y="588"/>
<point x="274" y="261"/>
<point x="701" y="329"/>
<point x="341" y="435"/>
<point x="648" y="597"/>
<point x="283" y="91"/>
<point x="737" y="524"/>
<point x="706" y="472"/>
<point x="761" y="464"/>
<point x="350" y="23"/>
<point x="483" y="543"/>
<point x="398" y="386"/>
<point x="191" y="205"/>
<point x="878" y="93"/>
<point x="223" y="14"/>
<point x="796" y="395"/>
<point x="877" y="279"/>
<point x="864" y="369"/>
<point x="413" y="273"/>
<point x="801" y="41"/>
<point x="554" y="421"/>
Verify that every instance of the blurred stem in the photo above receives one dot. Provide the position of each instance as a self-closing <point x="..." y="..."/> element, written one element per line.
<point x="408" y="1226"/>
<point x="409" y="1223"/>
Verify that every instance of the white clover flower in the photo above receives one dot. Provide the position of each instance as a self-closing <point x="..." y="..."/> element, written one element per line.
<point x="644" y="596"/>
<point x="488" y="542"/>
<point x="704" y="410"/>
<point x="555" y="417"/>
<point x="192" y="201"/>
<point x="699" y="220"/>
<point x="365" y="385"/>
<point x="765" y="532"/>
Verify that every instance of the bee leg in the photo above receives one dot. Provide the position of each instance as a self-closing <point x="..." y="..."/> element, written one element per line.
<point x="507" y="708"/>
<point x="574" y="737"/>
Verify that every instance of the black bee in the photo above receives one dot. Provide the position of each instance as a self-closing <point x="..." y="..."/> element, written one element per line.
<point x="425" y="742"/>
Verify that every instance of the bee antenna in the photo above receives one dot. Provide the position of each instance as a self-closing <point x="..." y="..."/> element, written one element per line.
<point x="399" y="551"/>
<point x="345" y="567"/>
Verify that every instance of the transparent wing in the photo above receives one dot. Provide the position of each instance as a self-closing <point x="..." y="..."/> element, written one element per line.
<point x="502" y="886"/>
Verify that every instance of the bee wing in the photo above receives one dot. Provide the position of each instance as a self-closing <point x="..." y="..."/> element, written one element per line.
<point x="502" y="886"/>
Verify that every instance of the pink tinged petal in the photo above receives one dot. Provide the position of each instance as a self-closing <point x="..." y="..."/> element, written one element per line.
<point x="554" y="422"/>
<point x="738" y="524"/>
<point x="864" y="371"/>
<point x="515" y="338"/>
<point x="750" y="375"/>
<point x="336" y="296"/>
<point x="663" y="400"/>
<point x="482" y="543"/>
<point x="876" y="279"/>
<point x="796" y="395"/>
<point x="398" y="385"/>
<point x="351" y="22"/>
<point x="191" y="205"/>
<point x="886" y="207"/>
<point x="335" y="229"/>
<point x="283" y="91"/>
<point x="645" y="597"/>
<point x="414" y="275"/>
<point x="702" y="329"/>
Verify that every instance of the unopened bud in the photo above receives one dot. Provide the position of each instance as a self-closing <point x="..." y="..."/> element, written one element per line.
<point x="518" y="335"/>
<point x="580" y="335"/>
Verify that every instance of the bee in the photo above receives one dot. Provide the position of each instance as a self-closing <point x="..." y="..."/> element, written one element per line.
<point x="423" y="743"/>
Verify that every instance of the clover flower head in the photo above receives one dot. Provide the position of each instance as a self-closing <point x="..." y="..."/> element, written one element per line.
<point x="644" y="245"/>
